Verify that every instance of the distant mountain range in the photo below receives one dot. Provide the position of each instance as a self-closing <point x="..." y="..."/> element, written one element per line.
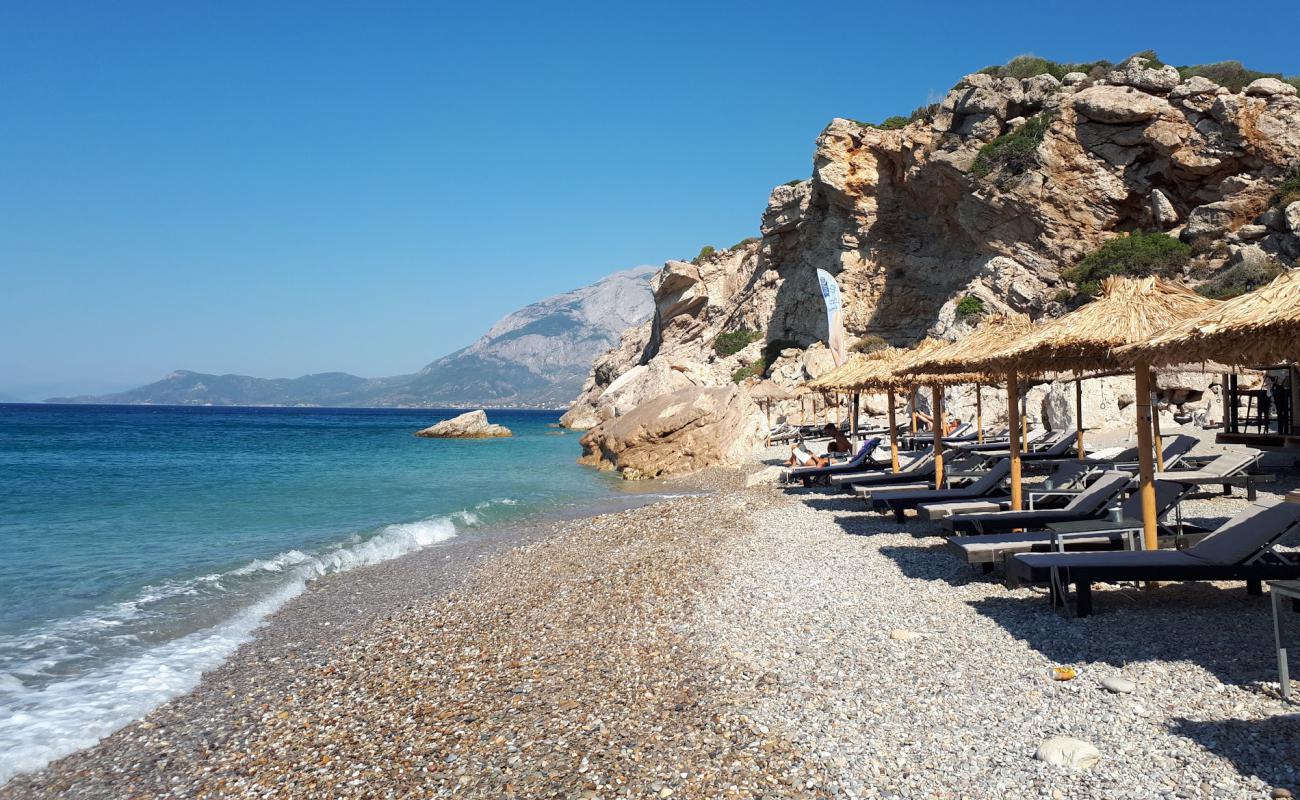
<point x="536" y="357"/>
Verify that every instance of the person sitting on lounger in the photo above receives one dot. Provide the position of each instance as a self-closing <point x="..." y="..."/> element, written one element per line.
<point x="800" y="456"/>
<point x="928" y="423"/>
<point x="839" y="442"/>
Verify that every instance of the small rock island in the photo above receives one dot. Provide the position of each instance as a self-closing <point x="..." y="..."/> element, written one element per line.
<point x="470" y="425"/>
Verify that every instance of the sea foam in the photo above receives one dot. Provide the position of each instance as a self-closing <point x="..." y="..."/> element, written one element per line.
<point x="44" y="717"/>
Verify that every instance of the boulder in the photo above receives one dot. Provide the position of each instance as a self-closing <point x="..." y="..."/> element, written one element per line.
<point x="1074" y="78"/>
<point x="470" y="425"/>
<point x="1040" y="87"/>
<point x="1065" y="751"/>
<point x="1267" y="87"/>
<point x="1166" y="216"/>
<point x="1118" y="105"/>
<point x="678" y="433"/>
<point x="1211" y="219"/>
<point x="1292" y="217"/>
<point x="1135" y="72"/>
<point x="1195" y="86"/>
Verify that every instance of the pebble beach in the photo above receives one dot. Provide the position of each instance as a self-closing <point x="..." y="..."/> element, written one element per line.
<point x="743" y="642"/>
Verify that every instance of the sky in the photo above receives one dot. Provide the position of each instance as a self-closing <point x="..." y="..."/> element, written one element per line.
<point x="276" y="189"/>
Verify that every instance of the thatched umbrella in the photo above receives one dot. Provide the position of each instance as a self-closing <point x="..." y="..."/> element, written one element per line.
<point x="1130" y="310"/>
<point x="1255" y="329"/>
<point x="993" y="333"/>
<point x="768" y="392"/>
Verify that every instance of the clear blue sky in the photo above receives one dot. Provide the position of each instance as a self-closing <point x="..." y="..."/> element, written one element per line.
<point x="283" y="188"/>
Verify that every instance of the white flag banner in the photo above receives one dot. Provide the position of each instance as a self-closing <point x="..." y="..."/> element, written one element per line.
<point x="834" y="315"/>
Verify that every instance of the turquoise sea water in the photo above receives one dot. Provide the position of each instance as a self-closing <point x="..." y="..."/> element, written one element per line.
<point x="144" y="544"/>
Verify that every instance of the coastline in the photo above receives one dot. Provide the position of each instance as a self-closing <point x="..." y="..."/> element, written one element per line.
<point x="736" y="643"/>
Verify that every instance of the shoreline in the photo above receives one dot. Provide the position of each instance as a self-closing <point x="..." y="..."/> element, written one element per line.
<point x="743" y="642"/>
<point x="337" y="604"/>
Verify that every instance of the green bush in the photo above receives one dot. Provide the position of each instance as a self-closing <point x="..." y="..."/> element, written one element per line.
<point x="1288" y="191"/>
<point x="743" y="242"/>
<point x="728" y="344"/>
<point x="794" y="182"/>
<point x="1015" y="152"/>
<point x="1064" y="295"/>
<point x="970" y="307"/>
<point x="1136" y="255"/>
<point x="753" y="370"/>
<point x="1027" y="66"/>
<point x="922" y="112"/>
<point x="869" y="344"/>
<point x="890" y="123"/>
<point x="705" y="251"/>
<point x="1231" y="74"/>
<point x="1246" y="276"/>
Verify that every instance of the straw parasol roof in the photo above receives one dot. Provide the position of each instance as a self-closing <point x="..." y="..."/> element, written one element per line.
<point x="769" y="391"/>
<point x="993" y="333"/>
<point x="1258" y="328"/>
<point x="1130" y="310"/>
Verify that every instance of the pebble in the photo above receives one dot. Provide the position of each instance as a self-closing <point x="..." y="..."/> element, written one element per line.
<point x="1118" y="685"/>
<point x="1066" y="751"/>
<point x="900" y="635"/>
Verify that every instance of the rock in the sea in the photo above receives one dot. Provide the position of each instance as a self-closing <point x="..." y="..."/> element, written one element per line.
<point x="1065" y="751"/>
<point x="471" y="425"/>
<point x="1118" y="685"/>
<point x="677" y="433"/>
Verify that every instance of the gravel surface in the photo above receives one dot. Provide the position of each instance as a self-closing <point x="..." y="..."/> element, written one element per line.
<point x="747" y="643"/>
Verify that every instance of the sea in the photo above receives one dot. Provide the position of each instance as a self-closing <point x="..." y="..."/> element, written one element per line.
<point x="143" y="544"/>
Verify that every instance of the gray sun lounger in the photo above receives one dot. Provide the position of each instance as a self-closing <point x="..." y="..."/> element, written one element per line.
<point x="1091" y="534"/>
<point x="861" y="461"/>
<point x="900" y="499"/>
<point x="1092" y="503"/>
<point x="919" y="468"/>
<point x="1242" y="549"/>
<point x="1227" y="469"/>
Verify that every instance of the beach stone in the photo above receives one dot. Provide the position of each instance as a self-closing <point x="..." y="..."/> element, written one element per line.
<point x="768" y="476"/>
<point x="1118" y="685"/>
<point x="470" y="425"/>
<point x="1279" y="792"/>
<point x="1066" y="751"/>
<point x="901" y="635"/>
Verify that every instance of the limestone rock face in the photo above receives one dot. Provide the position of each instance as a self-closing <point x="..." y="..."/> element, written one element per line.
<point x="677" y="433"/>
<point x="470" y="425"/>
<point x="908" y="230"/>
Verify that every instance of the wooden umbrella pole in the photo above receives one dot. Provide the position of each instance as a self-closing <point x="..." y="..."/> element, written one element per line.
<point x="1013" y="447"/>
<point x="979" y="415"/>
<point x="936" y="417"/>
<point x="913" y="394"/>
<point x="1078" y="417"/>
<point x="1146" y="486"/>
<point x="893" y="434"/>
<point x="853" y="423"/>
<point x="767" y="415"/>
<point x="1159" y="444"/>
<point x="1024" y="421"/>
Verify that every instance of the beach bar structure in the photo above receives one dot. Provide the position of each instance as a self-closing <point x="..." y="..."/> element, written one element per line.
<point x="1129" y="311"/>
<point x="1260" y="329"/>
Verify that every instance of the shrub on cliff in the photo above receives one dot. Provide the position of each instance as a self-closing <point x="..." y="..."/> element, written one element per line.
<point x="970" y="308"/>
<point x="705" y="251"/>
<point x="1247" y="276"/>
<point x="1230" y="74"/>
<point x="732" y="342"/>
<point x="890" y="123"/>
<point x="1288" y="191"/>
<point x="1135" y="255"/>
<point x="753" y="370"/>
<point x="1027" y="66"/>
<point x="1015" y="152"/>
<point x="869" y="344"/>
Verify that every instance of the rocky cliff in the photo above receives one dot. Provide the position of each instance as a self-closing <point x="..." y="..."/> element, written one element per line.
<point x="982" y="200"/>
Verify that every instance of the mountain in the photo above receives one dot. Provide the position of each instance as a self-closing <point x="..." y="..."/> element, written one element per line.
<point x="1019" y="191"/>
<point x="537" y="356"/>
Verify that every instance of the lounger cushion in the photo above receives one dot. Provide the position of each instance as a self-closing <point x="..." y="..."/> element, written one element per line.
<point x="937" y="511"/>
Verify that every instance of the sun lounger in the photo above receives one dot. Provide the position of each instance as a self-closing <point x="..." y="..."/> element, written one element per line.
<point x="1091" y="502"/>
<point x="1058" y="446"/>
<point x="919" y="468"/>
<point x="1227" y="469"/>
<point x="899" y="500"/>
<point x="1067" y="478"/>
<point x="1089" y="534"/>
<point x="859" y="462"/>
<point x="1242" y="549"/>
